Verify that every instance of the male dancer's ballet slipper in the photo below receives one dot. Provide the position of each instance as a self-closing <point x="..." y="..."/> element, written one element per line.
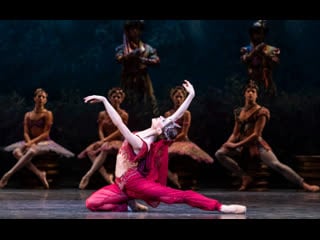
<point x="310" y="188"/>
<point x="313" y="188"/>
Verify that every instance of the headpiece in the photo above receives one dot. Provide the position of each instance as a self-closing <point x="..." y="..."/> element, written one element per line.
<point x="170" y="131"/>
<point x="258" y="26"/>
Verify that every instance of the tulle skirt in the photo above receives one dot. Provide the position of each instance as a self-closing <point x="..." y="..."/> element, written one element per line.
<point x="190" y="149"/>
<point x="48" y="146"/>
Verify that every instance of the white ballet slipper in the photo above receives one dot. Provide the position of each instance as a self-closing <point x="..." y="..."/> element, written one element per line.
<point x="233" y="208"/>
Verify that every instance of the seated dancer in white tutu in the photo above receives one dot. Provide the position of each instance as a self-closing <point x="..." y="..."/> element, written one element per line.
<point x="110" y="139"/>
<point x="142" y="167"/>
<point x="37" y="125"/>
<point x="181" y="143"/>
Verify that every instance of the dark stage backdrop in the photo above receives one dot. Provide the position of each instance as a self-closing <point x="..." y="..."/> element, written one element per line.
<point x="75" y="58"/>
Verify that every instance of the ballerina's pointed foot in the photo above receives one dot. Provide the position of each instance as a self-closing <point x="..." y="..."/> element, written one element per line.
<point x="4" y="180"/>
<point x="246" y="181"/>
<point x="43" y="178"/>
<point x="84" y="182"/>
<point x="233" y="208"/>
<point x="175" y="180"/>
<point x="110" y="179"/>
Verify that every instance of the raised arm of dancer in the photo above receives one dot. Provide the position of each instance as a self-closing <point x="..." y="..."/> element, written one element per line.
<point x="134" y="140"/>
<point x="184" y="106"/>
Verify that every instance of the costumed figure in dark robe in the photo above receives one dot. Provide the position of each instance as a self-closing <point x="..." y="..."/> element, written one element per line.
<point x="260" y="58"/>
<point x="136" y="56"/>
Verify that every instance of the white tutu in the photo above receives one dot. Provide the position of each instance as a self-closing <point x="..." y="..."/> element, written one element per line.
<point x="48" y="145"/>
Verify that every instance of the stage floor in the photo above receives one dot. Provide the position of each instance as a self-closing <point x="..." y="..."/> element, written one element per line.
<point x="70" y="204"/>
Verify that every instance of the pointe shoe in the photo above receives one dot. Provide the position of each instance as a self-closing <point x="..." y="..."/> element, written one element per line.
<point x="175" y="180"/>
<point x="233" y="208"/>
<point x="43" y="178"/>
<point x="4" y="180"/>
<point x="246" y="181"/>
<point x="84" y="182"/>
<point x="110" y="179"/>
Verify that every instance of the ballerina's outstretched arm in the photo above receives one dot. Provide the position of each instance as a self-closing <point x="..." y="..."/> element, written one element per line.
<point x="134" y="140"/>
